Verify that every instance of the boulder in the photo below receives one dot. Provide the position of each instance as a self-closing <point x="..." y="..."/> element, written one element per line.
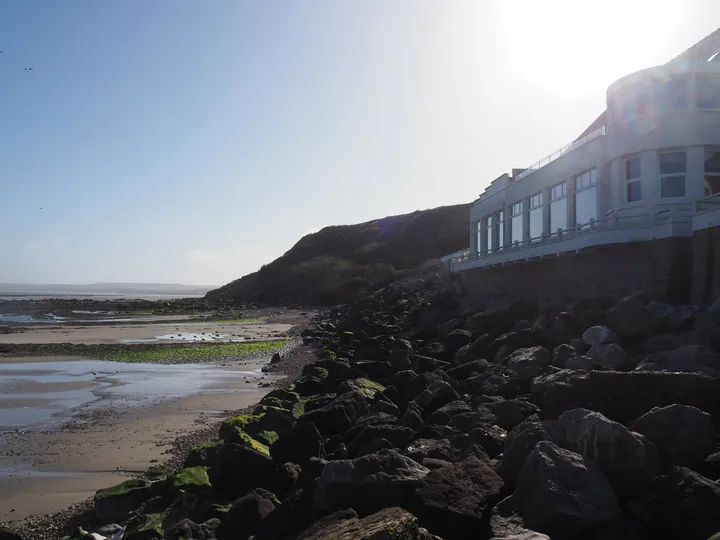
<point x="373" y="447"/>
<point x="561" y="330"/>
<point x="523" y="536"/>
<point x="114" y="503"/>
<point x="682" y="435"/>
<point x="290" y="518"/>
<point x="438" y="394"/>
<point x="385" y="407"/>
<point x="387" y="524"/>
<point x="582" y="363"/>
<point x="628" y="459"/>
<point x="312" y="469"/>
<point x="9" y="534"/>
<point x="562" y="493"/>
<point x="283" y="479"/>
<point x="455" y="340"/>
<point x="529" y="363"/>
<point x="366" y="421"/>
<point x="501" y="317"/>
<point x="298" y="444"/>
<point x="369" y="483"/>
<point x="509" y="413"/>
<point x="499" y="381"/>
<point x="400" y="359"/>
<point x="609" y="356"/>
<point x="607" y="392"/>
<point x="398" y="436"/>
<point x="237" y="469"/>
<point x="520" y="441"/>
<point x="662" y="343"/>
<point x="244" y="517"/>
<point x="630" y="318"/>
<point x="490" y="437"/>
<point x="454" y="501"/>
<point x="689" y="359"/>
<point x="561" y="354"/>
<point x="337" y="416"/>
<point x="512" y="341"/>
<point x="404" y="380"/>
<point x="472" y="351"/>
<point x="446" y="412"/>
<point x="599" y="335"/>
<point x="430" y="448"/>
<point x="468" y="369"/>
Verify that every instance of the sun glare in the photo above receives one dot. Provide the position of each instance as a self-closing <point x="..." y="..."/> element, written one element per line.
<point x="572" y="47"/>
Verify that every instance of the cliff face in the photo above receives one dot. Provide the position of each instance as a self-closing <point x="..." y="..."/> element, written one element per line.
<point x="337" y="263"/>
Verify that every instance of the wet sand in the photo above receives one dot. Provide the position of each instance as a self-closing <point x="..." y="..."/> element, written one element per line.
<point x="44" y="471"/>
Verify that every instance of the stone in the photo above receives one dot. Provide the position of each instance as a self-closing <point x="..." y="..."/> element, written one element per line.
<point x="405" y="379"/>
<point x="628" y="459"/>
<point x="523" y="536"/>
<point x="434" y="463"/>
<point x="630" y="317"/>
<point x="474" y="450"/>
<point x="455" y="501"/>
<point x="244" y="516"/>
<point x="114" y="503"/>
<point x="609" y="356"/>
<point x="283" y="479"/>
<point x="373" y="447"/>
<point x="662" y="343"/>
<point x="529" y="363"/>
<point x="581" y="363"/>
<point x="420" y="449"/>
<point x="473" y="351"/>
<point x="289" y="519"/>
<point x="387" y="524"/>
<point x="9" y="534"/>
<point x="361" y="423"/>
<point x="398" y="436"/>
<point x="689" y="359"/>
<point x="561" y="354"/>
<point x="455" y="340"/>
<point x="400" y="359"/>
<point x="238" y="469"/>
<point x="438" y="394"/>
<point x="499" y="381"/>
<point x="502" y="316"/>
<point x="312" y="469"/>
<point x="446" y="412"/>
<point x="468" y="369"/>
<point x="562" y="329"/>
<point x="298" y="444"/>
<point x="369" y="483"/>
<point x="385" y="407"/>
<point x="560" y="492"/>
<point x="607" y="392"/>
<point x="509" y="413"/>
<point x="412" y="418"/>
<point x="490" y="437"/>
<point x="337" y="416"/>
<point x="599" y="335"/>
<point x="520" y="441"/>
<point x="512" y="341"/>
<point x="275" y="358"/>
<point x="682" y="435"/>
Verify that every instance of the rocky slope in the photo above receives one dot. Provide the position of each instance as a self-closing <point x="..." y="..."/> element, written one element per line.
<point x="337" y="263"/>
<point x="420" y="421"/>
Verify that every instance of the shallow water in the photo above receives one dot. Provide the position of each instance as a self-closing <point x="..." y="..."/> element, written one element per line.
<point x="109" y="383"/>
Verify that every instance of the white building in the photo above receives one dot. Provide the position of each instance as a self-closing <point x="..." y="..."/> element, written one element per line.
<point x="648" y="168"/>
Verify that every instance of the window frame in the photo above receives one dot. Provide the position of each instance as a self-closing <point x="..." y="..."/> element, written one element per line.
<point x="592" y="178"/>
<point x="517" y="215"/>
<point x="706" y="173"/>
<point x="659" y="97"/>
<point x="662" y="176"/>
<point x="635" y="181"/>
<point x="563" y="191"/>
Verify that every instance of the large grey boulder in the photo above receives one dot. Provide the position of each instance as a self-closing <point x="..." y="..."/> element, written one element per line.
<point x="509" y="413"/>
<point x="529" y="363"/>
<point x="609" y="392"/>
<point x="599" y="335"/>
<point x="561" y="492"/>
<point x="369" y="483"/>
<point x="387" y="524"/>
<point x="690" y="359"/>
<point x="438" y="394"/>
<point x="520" y="441"/>
<point x="627" y="459"/>
<point x="631" y="318"/>
<point x="609" y="356"/>
<point x="472" y="351"/>
<point x="683" y="435"/>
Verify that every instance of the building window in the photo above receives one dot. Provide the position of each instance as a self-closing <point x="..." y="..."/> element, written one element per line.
<point x="672" y="174"/>
<point x="708" y="92"/>
<point x="516" y="223"/>
<point x="501" y="230"/>
<point x="632" y="178"/>
<point x="536" y="218"/>
<point x="586" y="197"/>
<point x="478" y="239"/>
<point x="489" y="234"/>
<point x="558" y="208"/>
<point x="671" y="94"/>
<point x="712" y="172"/>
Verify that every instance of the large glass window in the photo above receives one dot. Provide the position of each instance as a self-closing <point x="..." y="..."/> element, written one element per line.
<point x="478" y="236"/>
<point x="536" y="218"/>
<point x="712" y="171"/>
<point x="672" y="174"/>
<point x="708" y="92"/>
<point x="671" y="94"/>
<point x="501" y="229"/>
<point x="489" y="233"/>
<point x="516" y="223"/>
<point x="558" y="208"/>
<point x="632" y="178"/>
<point x="586" y="197"/>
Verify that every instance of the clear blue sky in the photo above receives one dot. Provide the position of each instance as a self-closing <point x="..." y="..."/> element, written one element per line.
<point x="191" y="142"/>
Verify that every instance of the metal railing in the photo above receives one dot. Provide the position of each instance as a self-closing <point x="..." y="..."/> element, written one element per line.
<point x="602" y="130"/>
<point x="708" y="203"/>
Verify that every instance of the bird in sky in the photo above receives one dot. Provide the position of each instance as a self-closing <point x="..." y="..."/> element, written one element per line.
<point x="29" y="69"/>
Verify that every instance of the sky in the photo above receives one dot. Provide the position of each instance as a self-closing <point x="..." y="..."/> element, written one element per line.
<point x="179" y="141"/>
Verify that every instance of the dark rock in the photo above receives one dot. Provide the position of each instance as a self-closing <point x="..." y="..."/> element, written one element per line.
<point x="275" y="358"/>
<point x="400" y="359"/>
<point x="420" y="449"/>
<point x="468" y="420"/>
<point x="312" y="469"/>
<point x="609" y="356"/>
<point x="607" y="392"/>
<point x="289" y="519"/>
<point x="474" y="450"/>
<point x="710" y="468"/>
<point x="432" y="350"/>
<point x="468" y="369"/>
<point x="384" y="407"/>
<point x="509" y="413"/>
<point x="582" y="363"/>
<point x="238" y="469"/>
<point x="628" y="459"/>
<point x="510" y="342"/>
<point x="520" y="441"/>
<point x="690" y="359"/>
<point x="499" y="381"/>
<point x="473" y="351"/>
<point x="630" y="317"/>
<point x="434" y="463"/>
<point x="561" y="354"/>
<point x="434" y="431"/>
<point x="339" y="414"/>
<point x="501" y="317"/>
<point x="446" y="412"/>
<point x="244" y="517"/>
<point x="398" y="436"/>
<point x="404" y="380"/>
<point x="9" y="534"/>
<point x="412" y="418"/>
<point x="438" y="394"/>
<point x="387" y="524"/>
<point x="422" y="364"/>
<point x="661" y="343"/>
<point x="373" y="447"/>
<point x="189" y="530"/>
<point x="624" y="530"/>
<point x="562" y="493"/>
<point x="491" y="438"/>
<point x="682" y="435"/>
<point x="455" y="501"/>
<point x="528" y="363"/>
<point x="283" y="479"/>
<point x="114" y="504"/>
<point x="368" y="420"/>
<point x="599" y="335"/>
<point x="298" y="444"/>
<point x="455" y="340"/>
<point x="368" y="483"/>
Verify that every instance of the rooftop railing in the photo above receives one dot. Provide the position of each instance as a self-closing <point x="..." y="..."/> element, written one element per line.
<point x="599" y="132"/>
